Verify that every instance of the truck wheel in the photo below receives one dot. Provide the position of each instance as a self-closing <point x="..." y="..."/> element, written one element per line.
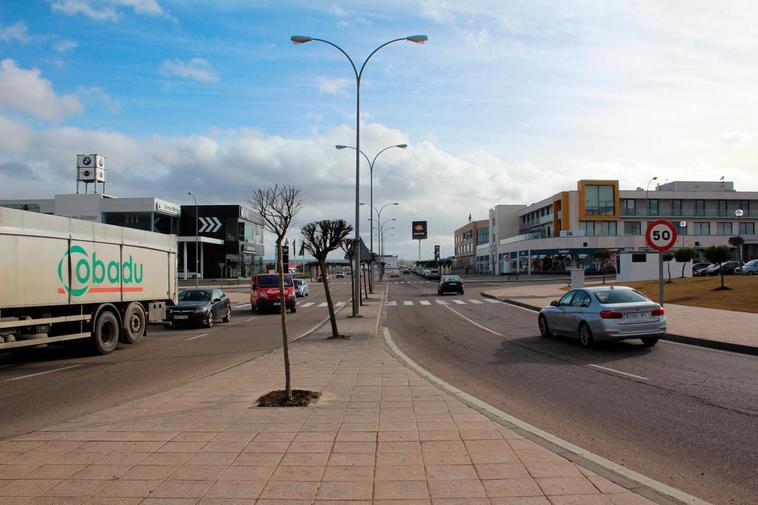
<point x="134" y="323"/>
<point x="105" y="332"/>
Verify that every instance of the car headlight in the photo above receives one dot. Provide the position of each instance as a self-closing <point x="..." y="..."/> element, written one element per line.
<point x="201" y="309"/>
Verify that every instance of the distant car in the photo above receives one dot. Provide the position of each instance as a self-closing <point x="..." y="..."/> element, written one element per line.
<point x="394" y="273"/>
<point x="727" y="268"/>
<point x="264" y="292"/>
<point x="191" y="275"/>
<point x="320" y="278"/>
<point x="697" y="269"/>
<point x="301" y="288"/>
<point x="199" y="306"/>
<point x="450" y="284"/>
<point x="339" y="275"/>
<point x="406" y="271"/>
<point x="434" y="274"/>
<point x="604" y="313"/>
<point x="749" y="268"/>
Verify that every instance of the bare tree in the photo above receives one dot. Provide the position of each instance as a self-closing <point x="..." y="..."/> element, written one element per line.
<point x="277" y="206"/>
<point x="320" y="238"/>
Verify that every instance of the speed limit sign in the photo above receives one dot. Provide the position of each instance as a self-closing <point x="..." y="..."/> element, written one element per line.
<point x="660" y="235"/>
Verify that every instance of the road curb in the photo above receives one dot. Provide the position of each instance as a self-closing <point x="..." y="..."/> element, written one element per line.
<point x="682" y="339"/>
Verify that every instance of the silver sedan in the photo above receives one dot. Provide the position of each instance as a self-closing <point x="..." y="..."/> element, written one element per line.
<point x="604" y="313"/>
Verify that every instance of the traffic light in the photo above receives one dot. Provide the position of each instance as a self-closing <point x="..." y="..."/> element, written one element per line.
<point x="436" y="253"/>
<point x="285" y="258"/>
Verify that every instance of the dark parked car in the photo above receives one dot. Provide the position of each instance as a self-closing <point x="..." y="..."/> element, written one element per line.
<point x="727" y="268"/>
<point x="450" y="284"/>
<point x="697" y="269"/>
<point x="199" y="306"/>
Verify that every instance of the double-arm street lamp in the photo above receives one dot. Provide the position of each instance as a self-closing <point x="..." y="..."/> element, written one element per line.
<point x="371" y="200"/>
<point x="197" y="260"/>
<point x="301" y="39"/>
<point x="381" y="233"/>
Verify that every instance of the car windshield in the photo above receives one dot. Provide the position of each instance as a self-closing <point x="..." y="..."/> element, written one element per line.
<point x="272" y="281"/>
<point x="298" y="282"/>
<point x="611" y="296"/>
<point x="195" y="295"/>
<point x="451" y="278"/>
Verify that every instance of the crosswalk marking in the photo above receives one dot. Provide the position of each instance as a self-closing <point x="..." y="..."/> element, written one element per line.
<point x="490" y="300"/>
<point x="340" y="304"/>
<point x="307" y="304"/>
<point x="441" y="302"/>
<point x="470" y="300"/>
<point x="425" y="302"/>
<point x="459" y="302"/>
<point x="390" y="304"/>
<point x="407" y="302"/>
<point x="323" y="304"/>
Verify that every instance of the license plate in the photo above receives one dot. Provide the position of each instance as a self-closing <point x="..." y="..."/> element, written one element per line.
<point x="181" y="317"/>
<point x="635" y="315"/>
<point x="275" y="304"/>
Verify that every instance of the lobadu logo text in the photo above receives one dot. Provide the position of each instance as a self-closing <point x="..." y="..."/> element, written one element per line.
<point x="94" y="275"/>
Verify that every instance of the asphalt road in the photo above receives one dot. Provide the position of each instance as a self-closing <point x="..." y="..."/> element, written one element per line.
<point x="41" y="387"/>
<point x="683" y="415"/>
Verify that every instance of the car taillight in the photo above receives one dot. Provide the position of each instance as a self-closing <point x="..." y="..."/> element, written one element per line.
<point x="611" y="314"/>
<point x="658" y="312"/>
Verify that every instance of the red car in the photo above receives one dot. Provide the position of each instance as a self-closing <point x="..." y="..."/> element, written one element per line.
<point x="264" y="292"/>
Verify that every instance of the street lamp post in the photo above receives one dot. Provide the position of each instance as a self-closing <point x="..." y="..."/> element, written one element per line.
<point x="371" y="200"/>
<point x="301" y="39"/>
<point x="197" y="259"/>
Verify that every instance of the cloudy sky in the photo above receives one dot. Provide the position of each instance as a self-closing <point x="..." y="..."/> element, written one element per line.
<point x="508" y="102"/>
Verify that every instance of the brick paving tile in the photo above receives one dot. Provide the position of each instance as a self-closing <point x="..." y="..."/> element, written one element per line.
<point x="495" y="471"/>
<point x="628" y="499"/>
<point x="15" y="471"/>
<point x="581" y="499"/>
<point x="442" y="446"/>
<point x="352" y="490"/>
<point x="456" y="489"/>
<point x="438" y="435"/>
<point x="212" y="458"/>
<point x="128" y="488"/>
<point x="167" y="458"/>
<point x="261" y="446"/>
<point x="235" y="489"/>
<point x="98" y="500"/>
<point x="195" y="436"/>
<point x="224" y="446"/>
<point x="311" y="447"/>
<point x="451" y="472"/>
<point x="520" y="500"/>
<point x="348" y="473"/>
<point x="76" y="487"/>
<point x="403" y="502"/>
<point x="275" y="437"/>
<point x="512" y="487"/>
<point x="447" y="458"/>
<point x="148" y="472"/>
<point x="196" y="472"/>
<point x="27" y="487"/>
<point x="605" y="486"/>
<point x="537" y="456"/>
<point x="461" y="501"/>
<point x="351" y="459"/>
<point x="553" y="469"/>
<point x="169" y="501"/>
<point x="304" y="459"/>
<point x="315" y="436"/>
<point x="565" y="485"/>
<point x="399" y="490"/>
<point x="290" y="490"/>
<point x="182" y="488"/>
<point x="398" y="436"/>
<point x="356" y="436"/>
<point x="98" y="471"/>
<point x="247" y="473"/>
<point x="399" y="472"/>
<point x="250" y="458"/>
<point x="39" y="458"/>
<point x="399" y="458"/>
<point x="406" y="446"/>
<point x="182" y="446"/>
<point x="57" y="500"/>
<point x="297" y="473"/>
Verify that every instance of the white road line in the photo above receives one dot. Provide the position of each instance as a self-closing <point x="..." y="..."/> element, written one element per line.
<point x="390" y="304"/>
<point x="619" y="372"/>
<point x="196" y="336"/>
<point x="339" y="304"/>
<point x="474" y="322"/>
<point x="250" y="319"/>
<point x="459" y="302"/>
<point x="324" y="304"/>
<point x="490" y="300"/>
<point x="441" y="302"/>
<point x="307" y="304"/>
<point x="41" y="373"/>
<point x="470" y="300"/>
<point x="425" y="302"/>
<point x="407" y="302"/>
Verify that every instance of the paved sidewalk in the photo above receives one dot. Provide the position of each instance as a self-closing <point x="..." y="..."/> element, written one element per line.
<point x="380" y="434"/>
<point x="724" y="329"/>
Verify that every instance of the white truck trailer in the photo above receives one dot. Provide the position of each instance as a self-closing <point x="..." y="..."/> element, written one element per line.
<point x="66" y="279"/>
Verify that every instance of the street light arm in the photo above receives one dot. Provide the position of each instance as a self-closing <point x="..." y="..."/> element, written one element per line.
<point x="359" y="74"/>
<point x="398" y="146"/>
<point x="355" y="70"/>
<point x="370" y="163"/>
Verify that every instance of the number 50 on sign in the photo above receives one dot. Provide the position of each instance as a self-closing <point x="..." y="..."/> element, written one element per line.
<point x="660" y="235"/>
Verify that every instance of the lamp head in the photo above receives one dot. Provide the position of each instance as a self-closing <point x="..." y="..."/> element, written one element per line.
<point x="300" y="39"/>
<point x="655" y="178"/>
<point x="401" y="146"/>
<point x="395" y="203"/>
<point x="417" y="39"/>
<point x="340" y="146"/>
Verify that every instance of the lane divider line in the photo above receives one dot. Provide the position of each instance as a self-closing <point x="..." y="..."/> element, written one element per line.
<point x="41" y="373"/>
<point x="619" y="372"/>
<point x="569" y="448"/>
<point x="474" y="322"/>
<point x="195" y="337"/>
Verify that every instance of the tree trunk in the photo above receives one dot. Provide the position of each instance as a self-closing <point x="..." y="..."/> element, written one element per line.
<point x="329" y="303"/>
<point x="285" y="333"/>
<point x="721" y="271"/>
<point x="684" y="264"/>
<point x="365" y="284"/>
<point x="603" y="272"/>
<point x="668" y="267"/>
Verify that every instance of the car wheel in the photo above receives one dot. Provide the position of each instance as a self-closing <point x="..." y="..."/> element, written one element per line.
<point x="544" y="327"/>
<point x="168" y="326"/>
<point x="649" y="341"/>
<point x="209" y="320"/>
<point x="228" y="316"/>
<point x="253" y="308"/>
<point x="585" y="336"/>
<point x="461" y="291"/>
<point x="293" y="309"/>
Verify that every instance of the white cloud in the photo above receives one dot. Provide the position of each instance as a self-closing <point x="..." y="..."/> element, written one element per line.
<point x="98" y="97"/>
<point x="106" y="10"/>
<point x="17" y="32"/>
<point x="64" y="45"/>
<point x="26" y="90"/>
<point x="197" y="69"/>
<point x="334" y="86"/>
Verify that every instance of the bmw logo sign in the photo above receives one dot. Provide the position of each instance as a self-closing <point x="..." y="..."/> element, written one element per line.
<point x="100" y="162"/>
<point x="87" y="160"/>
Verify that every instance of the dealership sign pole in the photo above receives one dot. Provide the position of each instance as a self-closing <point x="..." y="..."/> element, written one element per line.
<point x="661" y="236"/>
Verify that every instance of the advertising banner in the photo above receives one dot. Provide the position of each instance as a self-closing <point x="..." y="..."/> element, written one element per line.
<point x="418" y="230"/>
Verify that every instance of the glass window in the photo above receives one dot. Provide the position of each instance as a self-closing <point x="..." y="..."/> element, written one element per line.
<point x="699" y="207"/>
<point x="702" y="228"/>
<point x="723" y="228"/>
<point x="629" y="207"/>
<point x="581" y="299"/>
<point x="598" y="200"/>
<point x="620" y="296"/>
<point x="566" y="299"/>
<point x="747" y="228"/>
<point x="681" y="230"/>
<point x="722" y="208"/>
<point x="652" y="207"/>
<point x="676" y="207"/>
<point x="632" y="228"/>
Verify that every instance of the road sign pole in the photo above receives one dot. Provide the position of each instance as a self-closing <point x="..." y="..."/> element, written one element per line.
<point x="660" y="278"/>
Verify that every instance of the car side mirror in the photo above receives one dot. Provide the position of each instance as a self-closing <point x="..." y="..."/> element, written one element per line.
<point x="554" y="303"/>
<point x="216" y="300"/>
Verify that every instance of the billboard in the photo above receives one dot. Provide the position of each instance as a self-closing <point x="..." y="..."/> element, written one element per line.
<point x="418" y="230"/>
